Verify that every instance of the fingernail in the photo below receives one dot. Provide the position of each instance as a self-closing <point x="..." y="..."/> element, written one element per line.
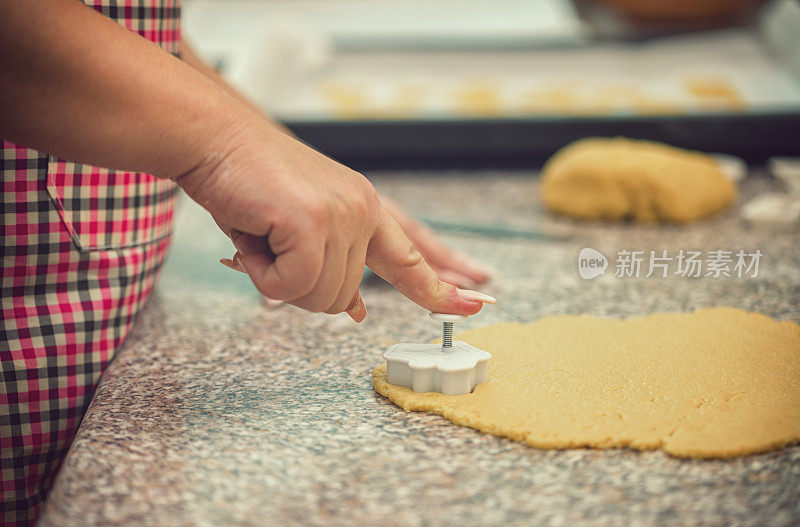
<point x="271" y="303"/>
<point x="231" y="264"/>
<point x="358" y="311"/>
<point x="475" y="296"/>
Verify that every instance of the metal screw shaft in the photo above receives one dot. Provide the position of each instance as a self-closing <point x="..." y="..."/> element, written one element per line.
<point x="447" y="335"/>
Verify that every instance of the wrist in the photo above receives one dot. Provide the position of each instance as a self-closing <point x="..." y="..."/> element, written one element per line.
<point x="225" y="150"/>
<point x="209" y="139"/>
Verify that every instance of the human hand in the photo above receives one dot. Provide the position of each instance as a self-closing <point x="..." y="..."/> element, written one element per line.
<point x="451" y="266"/>
<point x="304" y="226"/>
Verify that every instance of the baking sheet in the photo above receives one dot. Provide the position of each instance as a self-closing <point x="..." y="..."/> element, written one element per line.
<point x="726" y="72"/>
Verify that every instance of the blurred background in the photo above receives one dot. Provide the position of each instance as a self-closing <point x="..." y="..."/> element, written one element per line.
<point x="462" y="83"/>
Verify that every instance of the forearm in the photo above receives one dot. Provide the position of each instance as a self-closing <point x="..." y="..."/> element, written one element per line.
<point x="77" y="85"/>
<point x="192" y="59"/>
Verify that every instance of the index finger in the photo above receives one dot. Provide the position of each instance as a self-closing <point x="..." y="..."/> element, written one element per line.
<point x="392" y="256"/>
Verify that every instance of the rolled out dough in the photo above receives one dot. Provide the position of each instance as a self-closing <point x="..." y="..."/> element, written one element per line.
<point x="614" y="179"/>
<point x="714" y="383"/>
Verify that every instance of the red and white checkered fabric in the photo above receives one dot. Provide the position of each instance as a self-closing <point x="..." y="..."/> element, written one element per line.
<point x="81" y="248"/>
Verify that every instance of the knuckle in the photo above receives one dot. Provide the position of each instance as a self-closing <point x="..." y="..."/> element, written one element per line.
<point x="316" y="301"/>
<point x="334" y="310"/>
<point x="410" y="262"/>
<point x="328" y="305"/>
<point x="372" y="202"/>
<point x="273" y="291"/>
<point x="359" y="205"/>
<point x="317" y="210"/>
<point x="414" y="258"/>
<point x="288" y="290"/>
<point x="316" y="308"/>
<point x="360" y="208"/>
<point x="340" y="206"/>
<point x="300" y="291"/>
<point x="366" y="202"/>
<point x="310" y="304"/>
<point x="340" y="304"/>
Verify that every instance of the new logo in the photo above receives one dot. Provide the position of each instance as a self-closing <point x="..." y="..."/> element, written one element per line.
<point x="591" y="263"/>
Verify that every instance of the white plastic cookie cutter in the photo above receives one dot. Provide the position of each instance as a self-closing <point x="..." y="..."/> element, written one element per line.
<point x="452" y="367"/>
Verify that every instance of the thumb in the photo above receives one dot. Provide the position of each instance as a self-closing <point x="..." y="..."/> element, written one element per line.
<point x="392" y="256"/>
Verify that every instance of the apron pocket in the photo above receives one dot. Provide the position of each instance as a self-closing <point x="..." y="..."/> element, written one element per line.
<point x="109" y="209"/>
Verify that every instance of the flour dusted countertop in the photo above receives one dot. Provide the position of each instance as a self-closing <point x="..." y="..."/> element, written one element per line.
<point x="220" y="411"/>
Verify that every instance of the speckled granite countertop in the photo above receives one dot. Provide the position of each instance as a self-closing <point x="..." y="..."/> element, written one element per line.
<point x="219" y="411"/>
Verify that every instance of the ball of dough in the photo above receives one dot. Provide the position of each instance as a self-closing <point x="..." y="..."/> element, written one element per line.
<point x="615" y="179"/>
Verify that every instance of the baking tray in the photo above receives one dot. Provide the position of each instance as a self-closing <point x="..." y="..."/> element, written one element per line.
<point x="527" y="142"/>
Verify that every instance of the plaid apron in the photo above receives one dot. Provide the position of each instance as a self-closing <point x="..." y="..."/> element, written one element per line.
<point x="81" y="248"/>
